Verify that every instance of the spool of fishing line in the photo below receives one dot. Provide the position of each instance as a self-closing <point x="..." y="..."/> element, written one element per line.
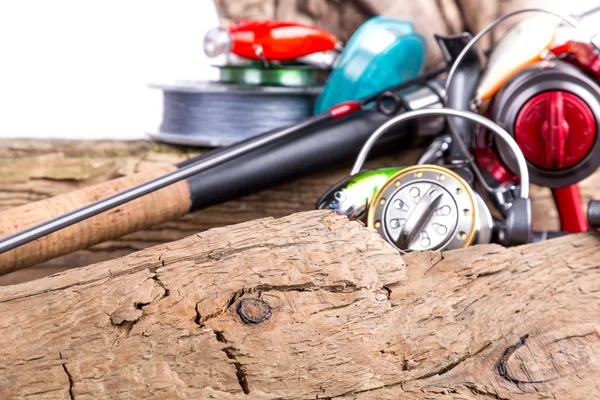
<point x="245" y="102"/>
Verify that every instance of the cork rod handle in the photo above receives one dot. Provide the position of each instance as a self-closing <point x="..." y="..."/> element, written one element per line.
<point x="151" y="209"/>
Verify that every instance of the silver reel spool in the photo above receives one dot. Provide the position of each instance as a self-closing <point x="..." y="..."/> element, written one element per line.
<point x="430" y="207"/>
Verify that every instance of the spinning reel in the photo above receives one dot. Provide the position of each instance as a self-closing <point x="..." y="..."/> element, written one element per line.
<point x="552" y="109"/>
<point x="429" y="207"/>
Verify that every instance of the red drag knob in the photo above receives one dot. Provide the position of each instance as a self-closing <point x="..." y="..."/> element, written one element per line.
<point x="555" y="130"/>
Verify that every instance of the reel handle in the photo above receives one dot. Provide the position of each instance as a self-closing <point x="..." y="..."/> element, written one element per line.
<point x="165" y="204"/>
<point x="518" y="223"/>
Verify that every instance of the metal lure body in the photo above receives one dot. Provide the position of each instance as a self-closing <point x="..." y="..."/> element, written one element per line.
<point x="352" y="196"/>
<point x="524" y="44"/>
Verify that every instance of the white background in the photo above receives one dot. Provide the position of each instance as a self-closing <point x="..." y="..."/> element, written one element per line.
<point x="80" y="68"/>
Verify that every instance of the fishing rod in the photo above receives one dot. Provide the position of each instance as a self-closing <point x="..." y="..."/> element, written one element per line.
<point x="319" y="142"/>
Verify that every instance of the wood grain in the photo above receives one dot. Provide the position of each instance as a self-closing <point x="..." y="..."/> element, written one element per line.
<point x="350" y="319"/>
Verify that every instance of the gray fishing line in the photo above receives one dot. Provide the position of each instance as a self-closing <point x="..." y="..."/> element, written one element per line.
<point x="217" y="114"/>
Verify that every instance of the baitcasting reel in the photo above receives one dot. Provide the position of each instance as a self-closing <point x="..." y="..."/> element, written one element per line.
<point x="429" y="207"/>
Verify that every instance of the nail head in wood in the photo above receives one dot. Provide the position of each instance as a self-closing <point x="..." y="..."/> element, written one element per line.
<point x="253" y="311"/>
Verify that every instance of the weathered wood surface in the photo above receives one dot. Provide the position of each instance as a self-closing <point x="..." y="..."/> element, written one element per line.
<point x="347" y="318"/>
<point x="429" y="16"/>
<point x="35" y="170"/>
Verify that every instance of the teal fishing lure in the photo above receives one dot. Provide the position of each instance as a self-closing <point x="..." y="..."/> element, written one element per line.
<point x="352" y="196"/>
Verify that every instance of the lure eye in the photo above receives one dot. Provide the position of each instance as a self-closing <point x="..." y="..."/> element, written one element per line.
<point x="216" y="42"/>
<point x="339" y="196"/>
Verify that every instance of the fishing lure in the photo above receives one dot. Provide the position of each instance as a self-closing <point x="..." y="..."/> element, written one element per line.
<point x="268" y="40"/>
<point x="352" y="196"/>
<point x="524" y="44"/>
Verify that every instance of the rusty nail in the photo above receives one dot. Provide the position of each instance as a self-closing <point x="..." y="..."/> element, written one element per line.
<point x="253" y="311"/>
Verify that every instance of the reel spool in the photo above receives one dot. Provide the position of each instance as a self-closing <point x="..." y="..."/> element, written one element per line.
<point x="296" y="73"/>
<point x="217" y="114"/>
<point x="430" y="207"/>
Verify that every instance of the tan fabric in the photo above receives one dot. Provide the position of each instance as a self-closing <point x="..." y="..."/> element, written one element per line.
<point x="429" y="16"/>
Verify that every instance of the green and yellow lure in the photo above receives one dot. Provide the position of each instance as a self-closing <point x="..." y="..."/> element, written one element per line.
<point x="352" y="196"/>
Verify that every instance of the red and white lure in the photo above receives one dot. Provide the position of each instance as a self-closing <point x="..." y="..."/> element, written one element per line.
<point x="270" y="41"/>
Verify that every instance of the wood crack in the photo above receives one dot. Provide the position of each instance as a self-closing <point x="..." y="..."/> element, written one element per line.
<point x="575" y="337"/>
<point x="69" y="377"/>
<point x="352" y="393"/>
<point x="200" y="320"/>
<point x="337" y="307"/>
<point x="434" y="263"/>
<point x="109" y="275"/>
<point x="128" y="324"/>
<point x="501" y="366"/>
<point x="489" y="273"/>
<point x="217" y="255"/>
<point x="453" y="365"/>
<point x="232" y="354"/>
<point x="441" y="371"/>
<point x="339" y="287"/>
<point x="156" y="279"/>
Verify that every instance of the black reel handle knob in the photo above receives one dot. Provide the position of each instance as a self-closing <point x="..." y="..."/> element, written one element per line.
<point x="593" y="214"/>
<point x="518" y="228"/>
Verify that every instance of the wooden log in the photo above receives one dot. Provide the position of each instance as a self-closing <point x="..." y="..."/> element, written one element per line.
<point x="310" y="306"/>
